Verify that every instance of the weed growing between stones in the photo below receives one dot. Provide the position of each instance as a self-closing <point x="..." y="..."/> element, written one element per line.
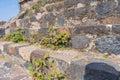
<point x="55" y="39"/>
<point x="36" y="5"/>
<point x="16" y="36"/>
<point x="105" y="55"/>
<point x="44" y="69"/>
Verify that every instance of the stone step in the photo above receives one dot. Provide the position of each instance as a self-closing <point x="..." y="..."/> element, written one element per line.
<point x="78" y="66"/>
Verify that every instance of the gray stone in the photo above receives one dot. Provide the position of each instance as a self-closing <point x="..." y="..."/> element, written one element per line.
<point x="97" y="30"/>
<point x="48" y="17"/>
<point x="69" y="12"/>
<point x="118" y="9"/>
<point x="2" y="31"/>
<point x="93" y="69"/>
<point x="5" y="47"/>
<point x="108" y="44"/>
<point x="116" y="28"/>
<point x="60" y="20"/>
<point x="70" y="3"/>
<point x="80" y="42"/>
<point x="21" y="15"/>
<point x="80" y="11"/>
<point x="33" y="18"/>
<point x="8" y="64"/>
<point x="62" y="65"/>
<point x="3" y="71"/>
<point x="104" y="8"/>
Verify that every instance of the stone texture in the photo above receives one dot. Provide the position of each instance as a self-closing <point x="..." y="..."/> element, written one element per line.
<point x="79" y="42"/>
<point x="10" y="69"/>
<point x="8" y="64"/>
<point x="116" y="28"/>
<point x="60" y="20"/>
<point x="97" y="30"/>
<point x="105" y="8"/>
<point x="25" y="52"/>
<point x="2" y="31"/>
<point x="79" y="12"/>
<point x="2" y="45"/>
<point x="13" y="48"/>
<point x="37" y="54"/>
<point x="69" y="12"/>
<point x="108" y="44"/>
<point x="93" y="69"/>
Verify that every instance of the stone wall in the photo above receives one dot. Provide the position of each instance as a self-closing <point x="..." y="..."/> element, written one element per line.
<point x="90" y="22"/>
<point x="68" y="13"/>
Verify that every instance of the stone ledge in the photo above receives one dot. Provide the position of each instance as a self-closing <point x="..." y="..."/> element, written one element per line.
<point x="77" y="69"/>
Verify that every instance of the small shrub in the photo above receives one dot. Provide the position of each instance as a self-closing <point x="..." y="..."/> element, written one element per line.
<point x="43" y="69"/>
<point x="55" y="39"/>
<point x="105" y="55"/>
<point x="15" y="36"/>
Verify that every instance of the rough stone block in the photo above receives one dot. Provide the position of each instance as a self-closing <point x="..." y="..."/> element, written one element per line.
<point x="25" y="52"/>
<point x="33" y="18"/>
<point x="116" y="28"/>
<point x="69" y="12"/>
<point x="98" y="29"/>
<point x="2" y="31"/>
<point x="80" y="42"/>
<point x="80" y="11"/>
<point x="93" y="69"/>
<point x="13" y="48"/>
<point x="60" y="20"/>
<point x="108" y="44"/>
<point x="37" y="54"/>
<point x="104" y="8"/>
<point x="4" y="45"/>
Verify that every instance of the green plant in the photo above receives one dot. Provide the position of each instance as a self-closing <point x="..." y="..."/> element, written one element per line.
<point x="16" y="36"/>
<point x="38" y="4"/>
<point x="43" y="69"/>
<point x="56" y="39"/>
<point x="105" y="55"/>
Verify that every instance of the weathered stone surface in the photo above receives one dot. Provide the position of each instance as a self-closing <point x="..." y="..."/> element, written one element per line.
<point x="25" y="52"/>
<point x="8" y="64"/>
<point x="37" y="54"/>
<point x="2" y="31"/>
<point x="60" y="20"/>
<point x="69" y="12"/>
<point x="108" y="44"/>
<point x="2" y="45"/>
<point x="5" y="46"/>
<point x="98" y="29"/>
<point x="80" y="42"/>
<point x="116" y="28"/>
<point x="79" y="12"/>
<point x="5" y="78"/>
<point x="33" y="18"/>
<point x="21" y="15"/>
<point x="13" y="48"/>
<point x="105" y="8"/>
<point x="93" y="69"/>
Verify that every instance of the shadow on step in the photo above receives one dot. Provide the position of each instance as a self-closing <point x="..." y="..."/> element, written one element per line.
<point x="101" y="71"/>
